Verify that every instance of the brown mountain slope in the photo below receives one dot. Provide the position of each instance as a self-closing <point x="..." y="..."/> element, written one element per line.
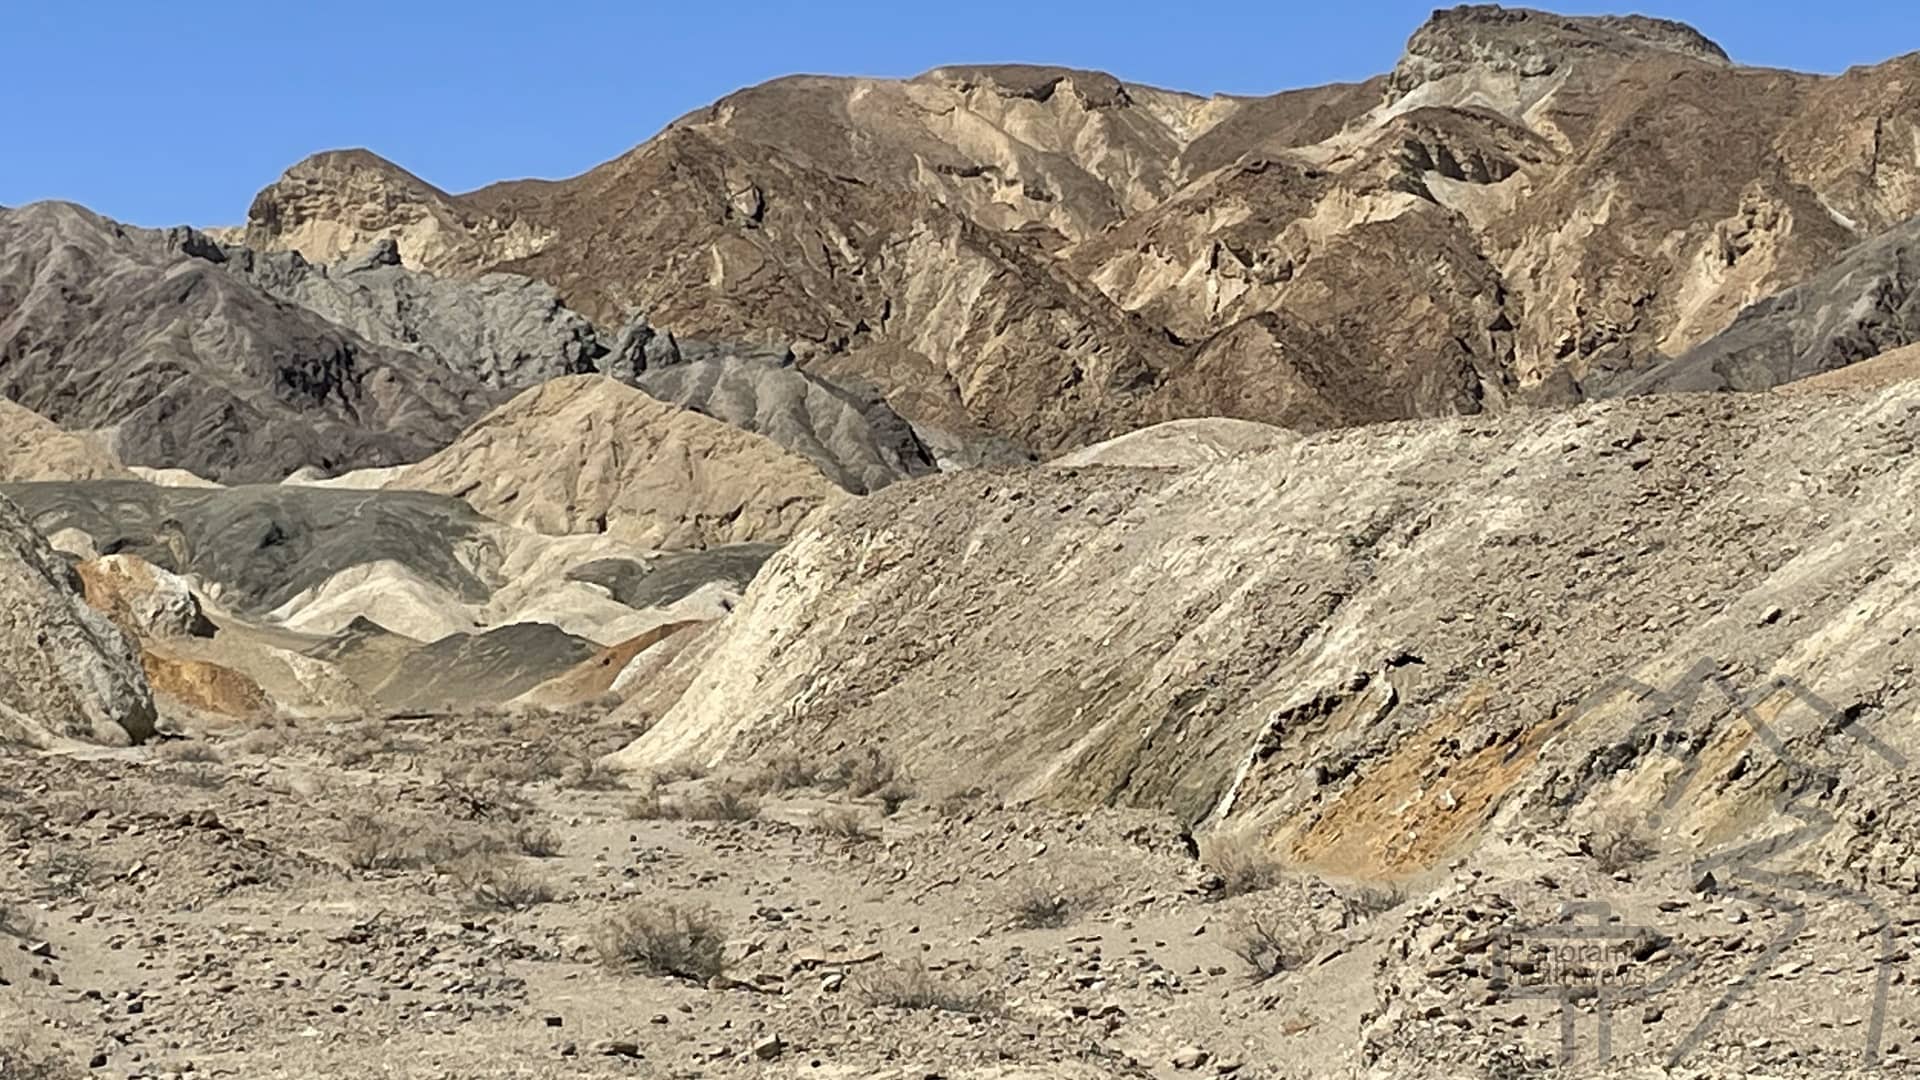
<point x="1525" y="202"/>
<point x="898" y="229"/>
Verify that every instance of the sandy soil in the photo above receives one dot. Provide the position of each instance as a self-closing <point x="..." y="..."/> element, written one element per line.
<point x="434" y="899"/>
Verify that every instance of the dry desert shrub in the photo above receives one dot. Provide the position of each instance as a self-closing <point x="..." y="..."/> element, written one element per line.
<point x="785" y="772"/>
<point x="17" y="1063"/>
<point x="963" y="802"/>
<point x="864" y="773"/>
<point x="723" y="803"/>
<point x="1368" y="901"/>
<point x="912" y="986"/>
<point x="535" y="839"/>
<point x="1269" y="945"/>
<point x="893" y="796"/>
<point x="592" y="775"/>
<point x="17" y="921"/>
<point x="482" y="800"/>
<point x="260" y="742"/>
<point x="677" y="771"/>
<point x="1617" y="843"/>
<point x="493" y="883"/>
<point x="66" y="875"/>
<point x="376" y="842"/>
<point x="363" y="746"/>
<point x="186" y="751"/>
<point x="204" y="777"/>
<point x="668" y="940"/>
<point x="1241" y="859"/>
<point x="1040" y="905"/>
<point x="648" y="805"/>
<point x="524" y="766"/>
<point x="845" y="823"/>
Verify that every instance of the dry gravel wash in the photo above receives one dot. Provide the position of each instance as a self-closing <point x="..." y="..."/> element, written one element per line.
<point x="180" y="917"/>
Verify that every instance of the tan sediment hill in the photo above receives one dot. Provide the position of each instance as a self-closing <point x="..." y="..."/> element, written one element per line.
<point x="1892" y="366"/>
<point x="1400" y="613"/>
<point x="1865" y="303"/>
<point x="1178" y="444"/>
<point x="594" y="678"/>
<point x="35" y="448"/>
<point x="587" y="454"/>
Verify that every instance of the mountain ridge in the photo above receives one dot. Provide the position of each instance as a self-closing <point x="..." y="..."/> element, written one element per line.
<point x="1047" y="255"/>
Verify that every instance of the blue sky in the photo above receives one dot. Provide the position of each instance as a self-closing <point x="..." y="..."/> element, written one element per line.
<point x="161" y="113"/>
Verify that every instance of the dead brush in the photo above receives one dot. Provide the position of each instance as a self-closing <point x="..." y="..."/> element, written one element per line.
<point x="531" y="838"/>
<point x="912" y="986"/>
<point x="260" y="742"/>
<point x="17" y="921"/>
<point x="482" y="801"/>
<point x="784" y="772"/>
<point x="375" y="842"/>
<point x="186" y="751"/>
<point x="893" y="796"/>
<point x="204" y="777"/>
<point x="647" y="806"/>
<point x="1040" y="905"/>
<point x="675" y="772"/>
<point x="723" y="803"/>
<point x="363" y="747"/>
<point x="844" y="823"/>
<point x="20" y="1064"/>
<point x="1241" y="860"/>
<point x="592" y="775"/>
<point x="66" y="875"/>
<point x="963" y="803"/>
<point x="863" y="773"/>
<point x="1369" y="901"/>
<point x="1269" y="946"/>
<point x="1618" y="843"/>
<point x="668" y="940"/>
<point x="493" y="883"/>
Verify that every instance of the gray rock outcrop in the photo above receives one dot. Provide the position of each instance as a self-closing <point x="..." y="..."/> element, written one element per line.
<point x="65" y="670"/>
<point x="1865" y="304"/>
<point x="506" y="331"/>
<point x="104" y="326"/>
<point x="857" y="441"/>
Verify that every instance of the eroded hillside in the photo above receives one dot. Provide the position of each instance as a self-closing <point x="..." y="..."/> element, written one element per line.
<point x="1527" y="203"/>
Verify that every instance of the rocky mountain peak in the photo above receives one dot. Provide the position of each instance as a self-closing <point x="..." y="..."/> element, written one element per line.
<point x="361" y="164"/>
<point x="1034" y="82"/>
<point x="1535" y="44"/>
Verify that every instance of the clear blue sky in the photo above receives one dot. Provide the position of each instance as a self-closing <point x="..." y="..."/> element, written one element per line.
<point x="165" y="112"/>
